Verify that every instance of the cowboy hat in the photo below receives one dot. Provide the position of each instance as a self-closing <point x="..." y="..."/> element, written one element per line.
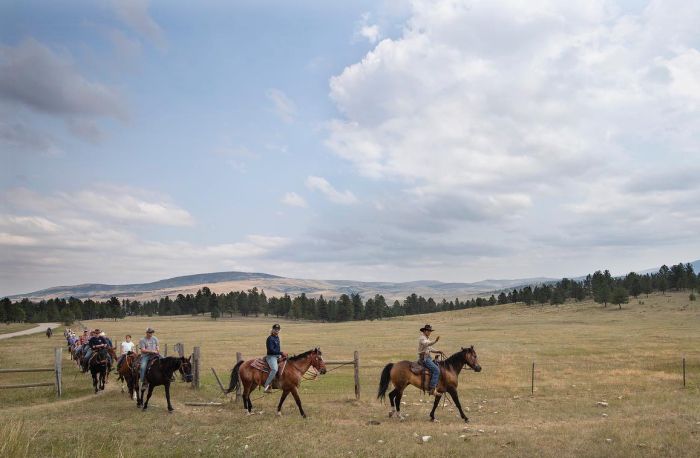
<point x="427" y="327"/>
<point x="150" y="330"/>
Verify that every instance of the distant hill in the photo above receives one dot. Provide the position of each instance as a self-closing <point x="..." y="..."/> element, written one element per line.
<point x="223" y="282"/>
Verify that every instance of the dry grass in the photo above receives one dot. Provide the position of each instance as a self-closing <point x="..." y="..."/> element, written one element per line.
<point x="15" y="327"/>
<point x="583" y="354"/>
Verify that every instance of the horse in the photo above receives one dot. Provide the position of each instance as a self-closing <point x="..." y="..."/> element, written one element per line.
<point x="161" y="373"/>
<point x="125" y="371"/>
<point x="99" y="365"/>
<point x="49" y="332"/>
<point x="401" y="376"/>
<point x="287" y="380"/>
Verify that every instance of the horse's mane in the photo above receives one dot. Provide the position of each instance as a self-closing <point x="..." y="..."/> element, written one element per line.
<point x="456" y="360"/>
<point x="170" y="363"/>
<point x="301" y="355"/>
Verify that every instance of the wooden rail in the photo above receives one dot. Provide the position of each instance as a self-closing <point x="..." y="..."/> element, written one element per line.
<point x="57" y="370"/>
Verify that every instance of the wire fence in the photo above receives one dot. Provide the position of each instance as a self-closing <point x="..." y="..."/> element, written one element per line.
<point x="507" y="379"/>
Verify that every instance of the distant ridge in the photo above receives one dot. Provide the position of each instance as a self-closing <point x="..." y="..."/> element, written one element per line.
<point x="223" y="282"/>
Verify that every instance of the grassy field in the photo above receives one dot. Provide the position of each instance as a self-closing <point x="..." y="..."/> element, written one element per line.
<point x="15" y="327"/>
<point x="583" y="353"/>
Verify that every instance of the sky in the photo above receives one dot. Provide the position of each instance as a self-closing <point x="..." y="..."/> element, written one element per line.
<point x="388" y="140"/>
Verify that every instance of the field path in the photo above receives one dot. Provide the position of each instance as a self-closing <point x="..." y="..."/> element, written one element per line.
<point x="41" y="327"/>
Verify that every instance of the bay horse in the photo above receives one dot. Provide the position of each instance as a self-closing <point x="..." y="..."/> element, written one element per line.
<point x="125" y="371"/>
<point x="161" y="373"/>
<point x="99" y="366"/>
<point x="401" y="376"/>
<point x="288" y="380"/>
<point x="49" y="332"/>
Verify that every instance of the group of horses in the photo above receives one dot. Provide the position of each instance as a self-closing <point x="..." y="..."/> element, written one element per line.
<point x="160" y="372"/>
<point x="248" y="375"/>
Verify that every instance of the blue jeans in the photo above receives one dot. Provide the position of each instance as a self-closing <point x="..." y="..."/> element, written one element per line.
<point x="272" y="362"/>
<point x="434" y="371"/>
<point x="145" y="358"/>
<point x="87" y="355"/>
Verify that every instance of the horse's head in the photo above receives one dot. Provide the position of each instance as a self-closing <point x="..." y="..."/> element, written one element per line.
<point x="317" y="360"/>
<point x="470" y="358"/>
<point x="186" y="368"/>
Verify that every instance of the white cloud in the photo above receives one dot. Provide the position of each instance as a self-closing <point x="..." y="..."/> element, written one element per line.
<point x="134" y="13"/>
<point x="322" y="185"/>
<point x="368" y="31"/>
<point x="513" y="112"/>
<point x="283" y="106"/>
<point x="118" y="203"/>
<point x="294" y="200"/>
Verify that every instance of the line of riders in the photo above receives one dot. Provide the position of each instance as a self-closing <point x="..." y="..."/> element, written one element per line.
<point x="143" y="368"/>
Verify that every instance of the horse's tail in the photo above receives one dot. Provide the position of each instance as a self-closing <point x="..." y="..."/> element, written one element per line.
<point x="233" y="385"/>
<point x="384" y="381"/>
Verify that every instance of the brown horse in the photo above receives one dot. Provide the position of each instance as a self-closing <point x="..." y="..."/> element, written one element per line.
<point x="288" y="381"/>
<point x="125" y="371"/>
<point x="401" y="376"/>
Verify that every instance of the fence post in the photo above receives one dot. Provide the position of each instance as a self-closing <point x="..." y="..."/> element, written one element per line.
<point x="180" y="349"/>
<point x="532" y="386"/>
<point x="195" y="367"/>
<point x="239" y="358"/>
<point x="58" y="354"/>
<point x="165" y="353"/>
<point x="218" y="380"/>
<point x="356" y="361"/>
<point x="684" y="372"/>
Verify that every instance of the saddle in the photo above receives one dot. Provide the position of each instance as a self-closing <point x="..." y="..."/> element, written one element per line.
<point x="137" y="364"/>
<point x="418" y="368"/>
<point x="261" y="365"/>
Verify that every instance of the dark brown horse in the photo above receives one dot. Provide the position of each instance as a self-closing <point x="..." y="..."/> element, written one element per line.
<point x="401" y="376"/>
<point x="99" y="368"/>
<point x="287" y="380"/>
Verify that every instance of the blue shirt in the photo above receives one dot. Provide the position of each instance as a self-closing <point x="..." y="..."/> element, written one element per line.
<point x="273" y="345"/>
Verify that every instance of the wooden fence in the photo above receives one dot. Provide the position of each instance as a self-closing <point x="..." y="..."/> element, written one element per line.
<point x="57" y="370"/>
<point x="196" y="356"/>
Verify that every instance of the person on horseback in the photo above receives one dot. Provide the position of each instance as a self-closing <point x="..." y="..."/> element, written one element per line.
<point x="94" y="344"/>
<point x="273" y="353"/>
<point x="149" y="350"/>
<point x="424" y="350"/>
<point x="126" y="347"/>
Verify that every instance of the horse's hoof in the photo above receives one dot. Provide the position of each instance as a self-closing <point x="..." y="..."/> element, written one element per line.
<point x="170" y="410"/>
<point x="279" y="414"/>
<point x="304" y="417"/>
<point x="466" y="420"/>
<point x="435" y="420"/>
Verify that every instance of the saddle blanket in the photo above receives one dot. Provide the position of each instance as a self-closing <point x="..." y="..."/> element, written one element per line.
<point x="261" y="365"/>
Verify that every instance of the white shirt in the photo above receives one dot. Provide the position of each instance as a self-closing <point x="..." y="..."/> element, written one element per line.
<point x="127" y="347"/>
<point x="424" y="344"/>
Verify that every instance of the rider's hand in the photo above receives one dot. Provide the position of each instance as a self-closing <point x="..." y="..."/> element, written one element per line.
<point x="284" y="354"/>
<point x="437" y="338"/>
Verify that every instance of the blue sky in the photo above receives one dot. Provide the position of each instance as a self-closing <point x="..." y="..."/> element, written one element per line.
<point x="386" y="140"/>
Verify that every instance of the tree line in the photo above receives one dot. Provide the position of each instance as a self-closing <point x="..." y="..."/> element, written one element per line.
<point x="601" y="286"/>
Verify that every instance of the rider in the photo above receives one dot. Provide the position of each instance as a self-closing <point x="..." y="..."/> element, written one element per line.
<point x="424" y="350"/>
<point x="95" y="343"/>
<point x="273" y="352"/>
<point x="149" y="349"/>
<point x="127" y="347"/>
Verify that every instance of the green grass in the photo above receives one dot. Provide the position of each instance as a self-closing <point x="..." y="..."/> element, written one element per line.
<point x="583" y="353"/>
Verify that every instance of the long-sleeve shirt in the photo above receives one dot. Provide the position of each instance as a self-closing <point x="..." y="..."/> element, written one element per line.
<point x="273" y="345"/>
<point x="424" y="345"/>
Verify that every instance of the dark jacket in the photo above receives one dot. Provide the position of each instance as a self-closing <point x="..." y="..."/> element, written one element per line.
<point x="273" y="345"/>
<point x="97" y="340"/>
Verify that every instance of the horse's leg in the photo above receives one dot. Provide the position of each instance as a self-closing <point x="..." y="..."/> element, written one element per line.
<point x="295" y="393"/>
<point x="167" y="396"/>
<point x="150" y="392"/>
<point x="94" y="381"/>
<point x="392" y="396"/>
<point x="455" y="397"/>
<point x="397" y="401"/>
<point x="247" y="405"/>
<point x="140" y="389"/>
<point x="435" y="404"/>
<point x="282" y="398"/>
